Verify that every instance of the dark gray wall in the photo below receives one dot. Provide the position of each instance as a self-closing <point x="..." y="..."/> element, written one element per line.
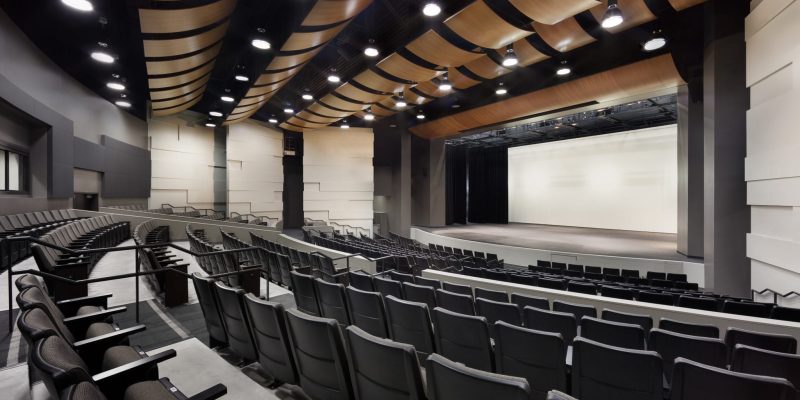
<point x="690" y="172"/>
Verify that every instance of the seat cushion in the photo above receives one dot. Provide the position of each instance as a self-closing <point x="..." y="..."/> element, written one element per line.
<point x="99" y="328"/>
<point x="88" y="310"/>
<point x="148" y="390"/>
<point x="119" y="355"/>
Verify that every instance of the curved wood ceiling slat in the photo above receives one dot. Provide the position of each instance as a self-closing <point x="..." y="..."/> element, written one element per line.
<point x="636" y="13"/>
<point x="191" y="44"/>
<point x="487" y="68"/>
<point x="355" y="93"/>
<point x="527" y="54"/>
<point x="481" y="26"/>
<point x="185" y="19"/>
<point x="413" y="98"/>
<point x="166" y="106"/>
<point x="316" y="118"/>
<point x="399" y="66"/>
<point x="183" y="64"/>
<point x="374" y="81"/>
<point x="459" y="80"/>
<point x="431" y="89"/>
<point x="564" y="36"/>
<point x="241" y="108"/>
<point x="156" y="95"/>
<point x="175" y="110"/>
<point x="292" y="61"/>
<point x="320" y="109"/>
<point x="327" y="12"/>
<point x="553" y="11"/>
<point x="434" y="49"/>
<point x="684" y="4"/>
<point x="342" y="104"/>
<point x="637" y="78"/>
<point x="158" y="83"/>
<point x="306" y="40"/>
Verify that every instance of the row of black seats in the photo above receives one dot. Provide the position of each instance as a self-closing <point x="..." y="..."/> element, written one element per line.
<point x="80" y="354"/>
<point x="214" y="262"/>
<point x="171" y="287"/>
<point x="84" y="234"/>
<point x="32" y="224"/>
<point x="539" y="355"/>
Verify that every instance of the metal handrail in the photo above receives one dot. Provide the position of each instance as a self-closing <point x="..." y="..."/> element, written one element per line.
<point x="775" y="294"/>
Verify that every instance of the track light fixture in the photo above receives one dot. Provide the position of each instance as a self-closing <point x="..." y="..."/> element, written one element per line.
<point x="115" y="86"/>
<point x="613" y="16"/>
<point x="657" y="40"/>
<point x="122" y="103"/>
<point x="81" y="5"/>
<point x="215" y="113"/>
<point x="371" y="50"/>
<point x="401" y="101"/>
<point x="445" y="85"/>
<point x="420" y="115"/>
<point x="369" y="116"/>
<point x="333" y="78"/>
<point x="272" y="120"/>
<point x="510" y="58"/>
<point x="227" y="99"/>
<point x="288" y="110"/>
<point x="501" y="90"/>
<point x="563" y="69"/>
<point x="344" y="125"/>
<point x="431" y="9"/>
<point x="211" y="123"/>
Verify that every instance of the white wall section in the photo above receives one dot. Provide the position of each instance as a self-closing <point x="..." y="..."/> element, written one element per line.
<point x="772" y="167"/>
<point x="337" y="176"/>
<point x="625" y="180"/>
<point x="255" y="170"/>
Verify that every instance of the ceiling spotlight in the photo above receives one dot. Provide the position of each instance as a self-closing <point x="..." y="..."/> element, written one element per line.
<point x="82" y="5"/>
<point x="215" y="113"/>
<point x="102" y="57"/>
<point x="401" y="103"/>
<point x="563" y="69"/>
<point x="613" y="16"/>
<point x="122" y="103"/>
<point x="227" y="99"/>
<point x="307" y="96"/>
<point x="431" y="9"/>
<point x="501" y="90"/>
<point x="371" y="50"/>
<point x="344" y="125"/>
<point x="656" y="41"/>
<point x="211" y="125"/>
<point x="334" y="79"/>
<point x="288" y="110"/>
<point x="272" y="121"/>
<point x="420" y="116"/>
<point x="115" y="86"/>
<point x="369" y="116"/>
<point x="510" y="58"/>
<point x="445" y="85"/>
<point x="241" y="78"/>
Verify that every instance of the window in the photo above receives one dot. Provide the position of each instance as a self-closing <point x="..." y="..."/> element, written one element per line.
<point x="13" y="167"/>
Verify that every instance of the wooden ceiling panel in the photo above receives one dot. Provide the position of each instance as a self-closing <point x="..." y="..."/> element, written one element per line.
<point x="431" y="89"/>
<point x="175" y="110"/>
<point x="527" y="54"/>
<point x="413" y="98"/>
<point x="320" y="109"/>
<point x="172" y="81"/>
<point x="156" y="95"/>
<point x="487" y="68"/>
<point x="342" y="104"/>
<point x="315" y="118"/>
<point x="553" y="11"/>
<point x="564" y="36"/>
<point x="382" y="112"/>
<point x="306" y="40"/>
<point x="291" y="128"/>
<point x="459" y="80"/>
<point x="306" y="124"/>
<point x="434" y="49"/>
<point x="481" y="26"/>
<point x="327" y="12"/>
<point x="374" y="81"/>
<point x="244" y="108"/>
<point x="684" y="4"/>
<point x="399" y="66"/>
<point x="355" y="93"/>
<point x="184" y="19"/>
<point x="262" y="91"/>
<point x="641" y="77"/>
<point x="164" y="105"/>
<point x="183" y="64"/>
<point x="294" y="60"/>
<point x="636" y="13"/>
<point x="186" y="45"/>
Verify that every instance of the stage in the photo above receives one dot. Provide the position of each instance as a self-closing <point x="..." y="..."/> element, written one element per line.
<point x="607" y="242"/>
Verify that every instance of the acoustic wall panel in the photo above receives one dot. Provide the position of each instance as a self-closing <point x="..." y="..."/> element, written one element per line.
<point x="255" y="170"/>
<point x="182" y="164"/>
<point x="625" y="180"/>
<point x="771" y="168"/>
<point x="337" y="176"/>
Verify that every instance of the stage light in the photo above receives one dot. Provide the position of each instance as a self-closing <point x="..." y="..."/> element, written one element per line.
<point x="81" y="5"/>
<point x="272" y="121"/>
<point x="215" y="113"/>
<point x="334" y="79"/>
<point x="420" y="116"/>
<point x="102" y="57"/>
<point x="401" y="101"/>
<point x="122" y="103"/>
<point x="261" y="44"/>
<point x="288" y="110"/>
<point x="563" y="69"/>
<point x="431" y="10"/>
<point x="369" y="116"/>
<point x="115" y="86"/>
<point x="211" y="125"/>
<point x="227" y="99"/>
<point x="371" y="50"/>
<point x="613" y="16"/>
<point x="510" y="58"/>
<point x="241" y="78"/>
<point x="307" y="97"/>
<point x="445" y="85"/>
<point x="344" y="125"/>
<point x="656" y="41"/>
<point x="501" y="90"/>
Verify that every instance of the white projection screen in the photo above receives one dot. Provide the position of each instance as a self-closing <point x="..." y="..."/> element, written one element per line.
<point x="626" y="180"/>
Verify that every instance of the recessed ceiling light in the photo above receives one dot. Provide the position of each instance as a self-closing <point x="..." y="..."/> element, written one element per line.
<point x="420" y="116"/>
<point x="115" y="86"/>
<point x="445" y="85"/>
<point x="501" y="91"/>
<point x="261" y="44"/>
<point x="102" y="57"/>
<point x="227" y="99"/>
<point x="371" y="51"/>
<point x="211" y="124"/>
<point x="82" y="5"/>
<point x="510" y="58"/>
<point x="215" y="113"/>
<point x="401" y="103"/>
<point x="272" y="121"/>
<point x="334" y="78"/>
<point x="369" y="116"/>
<point x="241" y="78"/>
<point x="657" y="40"/>
<point x="431" y="9"/>
<point x="288" y="111"/>
<point x="613" y="16"/>
<point x="564" y="69"/>
<point x="122" y="103"/>
<point x="456" y="106"/>
<point x="344" y="125"/>
<point x="307" y="97"/>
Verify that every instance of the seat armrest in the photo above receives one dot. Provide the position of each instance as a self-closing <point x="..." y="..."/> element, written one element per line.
<point x="211" y="393"/>
<point x="107" y="340"/>
<point x="114" y="381"/>
<point x="80" y="323"/>
<point x="71" y="306"/>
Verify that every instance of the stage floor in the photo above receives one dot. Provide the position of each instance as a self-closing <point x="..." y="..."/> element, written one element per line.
<point x="608" y="242"/>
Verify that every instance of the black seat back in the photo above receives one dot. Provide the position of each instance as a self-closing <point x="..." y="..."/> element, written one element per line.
<point x="237" y="327"/>
<point x="582" y="287"/>
<point x="551" y="321"/>
<point x="671" y="345"/>
<point x="209" y="304"/>
<point x="534" y="355"/>
<point x="59" y="365"/>
<point x="764" y="341"/>
<point x="448" y="380"/>
<point x="268" y="325"/>
<point x="698" y="303"/>
<point x="420" y="294"/>
<point x="463" y="338"/>
<point x="455" y="302"/>
<point x="617" y="334"/>
<point x="689" y="329"/>
<point x="494" y="295"/>
<point x="695" y="381"/>
<point x="456" y="288"/>
<point x="383" y="369"/>
<point x="495" y="311"/>
<point x="617" y="292"/>
<point x="305" y="294"/>
<point x="645" y="321"/>
<point x="761" y="310"/>
<point x="434" y="283"/>
<point x="388" y="287"/>
<point x="530" y="301"/>
<point x="600" y="372"/>
<point x="367" y="311"/>
<point x="400" y="277"/>
<point x="578" y="310"/>
<point x="756" y="361"/>
<point x="361" y="280"/>
<point x="410" y="323"/>
<point x="332" y="301"/>
<point x="785" y="313"/>
<point x="648" y="296"/>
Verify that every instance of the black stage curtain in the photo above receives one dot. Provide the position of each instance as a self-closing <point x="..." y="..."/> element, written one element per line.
<point x="488" y="185"/>
<point x="456" y="185"/>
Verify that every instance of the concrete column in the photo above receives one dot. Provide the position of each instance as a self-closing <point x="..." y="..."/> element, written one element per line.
<point x="726" y="99"/>
<point x="437" y="185"/>
<point x="690" y="171"/>
<point x="401" y="188"/>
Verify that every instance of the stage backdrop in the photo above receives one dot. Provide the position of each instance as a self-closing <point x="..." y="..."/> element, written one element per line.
<point x="625" y="180"/>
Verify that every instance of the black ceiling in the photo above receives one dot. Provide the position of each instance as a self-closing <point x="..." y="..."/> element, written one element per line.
<point x="68" y="36"/>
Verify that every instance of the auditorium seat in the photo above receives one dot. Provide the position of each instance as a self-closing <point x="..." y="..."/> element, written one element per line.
<point x="495" y="275"/>
<point x="694" y="381"/>
<point x="677" y="277"/>
<point x="305" y="295"/>
<point x="689" y="329"/>
<point x="761" y="310"/>
<point x="495" y="311"/>
<point x="558" y="395"/>
<point x="764" y="341"/>
<point x="434" y="283"/>
<point x="573" y="274"/>
<point x="367" y="311"/>
<point x="616" y="334"/>
<point x="578" y="310"/>
<point x="209" y="304"/>
<point x="319" y="351"/>
<point x="410" y="323"/>
<point x="332" y="301"/>
<point x="592" y="269"/>
<point x="551" y="321"/>
<point x="400" y="277"/>
<point x="757" y="361"/>
<point x="268" y="324"/>
<point x="553" y="283"/>
<point x="455" y="302"/>
<point x="161" y="389"/>
<point x="537" y="356"/>
<point x="381" y="368"/>
<point x="603" y="372"/>
<point x="657" y="275"/>
<point x="456" y="288"/>
<point x="494" y="295"/>
<point x="785" y="313"/>
<point x="420" y="294"/>
<point x="575" y="267"/>
<point x="671" y="345"/>
<point x="448" y="380"/>
<point x="361" y="280"/>
<point x="530" y="301"/>
<point x="629" y="273"/>
<point x="613" y="278"/>
<point x="648" y="296"/>
<point x="463" y="338"/>
<point x="237" y="327"/>
<point x="544" y="264"/>
<point x="645" y="321"/>
<point x="524" y="279"/>
<point x="388" y="287"/>
<point x="616" y="292"/>
<point x="611" y="271"/>
<point x="698" y="303"/>
<point x="582" y="287"/>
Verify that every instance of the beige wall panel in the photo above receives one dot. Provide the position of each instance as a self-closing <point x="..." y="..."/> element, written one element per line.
<point x="255" y="169"/>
